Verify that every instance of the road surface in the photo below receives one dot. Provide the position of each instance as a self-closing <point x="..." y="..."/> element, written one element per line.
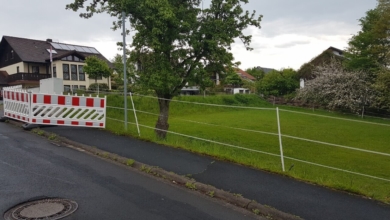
<point x="32" y="167"/>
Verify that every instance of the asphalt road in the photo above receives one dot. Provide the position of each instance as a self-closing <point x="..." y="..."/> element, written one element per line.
<point x="286" y="194"/>
<point x="32" y="167"/>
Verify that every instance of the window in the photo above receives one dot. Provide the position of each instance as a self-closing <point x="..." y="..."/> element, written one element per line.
<point x="35" y="69"/>
<point x="54" y="72"/>
<point x="66" y="88"/>
<point x="75" y="88"/>
<point x="73" y="69"/>
<point x="81" y="73"/>
<point x="17" y="69"/>
<point x="12" y="54"/>
<point x="65" y="70"/>
<point x="83" y="87"/>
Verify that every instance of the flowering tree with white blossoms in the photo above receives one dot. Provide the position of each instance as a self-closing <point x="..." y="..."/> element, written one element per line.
<point x="334" y="87"/>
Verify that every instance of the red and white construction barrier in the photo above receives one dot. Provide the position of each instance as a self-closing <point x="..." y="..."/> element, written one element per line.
<point x="50" y="109"/>
<point x="16" y="103"/>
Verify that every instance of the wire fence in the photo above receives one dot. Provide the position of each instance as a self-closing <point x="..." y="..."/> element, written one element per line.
<point x="278" y="134"/>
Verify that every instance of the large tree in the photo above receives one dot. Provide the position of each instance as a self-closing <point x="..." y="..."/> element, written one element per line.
<point x="177" y="41"/>
<point x="369" y="49"/>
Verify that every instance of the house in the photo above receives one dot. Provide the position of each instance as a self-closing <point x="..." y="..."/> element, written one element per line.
<point x="305" y="72"/>
<point x="241" y="73"/>
<point x="26" y="61"/>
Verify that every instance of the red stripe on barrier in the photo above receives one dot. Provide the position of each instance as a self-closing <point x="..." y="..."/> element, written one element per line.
<point x="75" y="101"/>
<point x="75" y="123"/>
<point x="13" y="95"/>
<point x="88" y="124"/>
<point x="34" y="120"/>
<point x="35" y="98"/>
<point x="22" y="97"/>
<point x="60" y="122"/>
<point x="18" y="117"/>
<point x="47" y="99"/>
<point x="101" y="103"/>
<point x="90" y="102"/>
<point x="61" y="100"/>
<point x="46" y="121"/>
<point x="17" y="96"/>
<point x="101" y="124"/>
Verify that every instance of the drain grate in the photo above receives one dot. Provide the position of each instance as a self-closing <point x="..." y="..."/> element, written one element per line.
<point x="44" y="209"/>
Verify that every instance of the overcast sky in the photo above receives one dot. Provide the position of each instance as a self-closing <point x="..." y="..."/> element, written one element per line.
<point x="293" y="31"/>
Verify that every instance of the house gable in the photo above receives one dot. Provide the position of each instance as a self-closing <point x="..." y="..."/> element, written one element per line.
<point x="8" y="55"/>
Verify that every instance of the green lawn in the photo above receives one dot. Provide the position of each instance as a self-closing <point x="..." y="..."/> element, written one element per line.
<point x="239" y="128"/>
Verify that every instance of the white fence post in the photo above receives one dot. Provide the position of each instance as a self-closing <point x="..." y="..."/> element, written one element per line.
<point x="280" y="139"/>
<point x="135" y="114"/>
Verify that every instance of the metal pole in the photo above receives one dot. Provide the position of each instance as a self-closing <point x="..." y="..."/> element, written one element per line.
<point x="124" y="65"/>
<point x="280" y="139"/>
<point x="135" y="114"/>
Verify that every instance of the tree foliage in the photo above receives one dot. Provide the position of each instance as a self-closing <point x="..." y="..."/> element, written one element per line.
<point x="176" y="41"/>
<point x="96" y="68"/>
<point x="382" y="86"/>
<point x="233" y="79"/>
<point x="278" y="83"/>
<point x="334" y="87"/>
<point x="118" y="77"/>
<point x="369" y="49"/>
<point x="256" y="72"/>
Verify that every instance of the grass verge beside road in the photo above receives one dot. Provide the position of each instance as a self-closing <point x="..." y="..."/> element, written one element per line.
<point x="242" y="128"/>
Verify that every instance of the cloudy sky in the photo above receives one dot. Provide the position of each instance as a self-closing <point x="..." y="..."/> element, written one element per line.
<point x="293" y="31"/>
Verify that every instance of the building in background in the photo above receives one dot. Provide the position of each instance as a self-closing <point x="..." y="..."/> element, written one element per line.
<point x="26" y="61"/>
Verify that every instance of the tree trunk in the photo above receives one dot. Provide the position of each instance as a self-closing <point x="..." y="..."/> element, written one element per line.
<point x="162" y="122"/>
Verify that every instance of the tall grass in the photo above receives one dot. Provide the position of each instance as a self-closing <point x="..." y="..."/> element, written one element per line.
<point x="239" y="128"/>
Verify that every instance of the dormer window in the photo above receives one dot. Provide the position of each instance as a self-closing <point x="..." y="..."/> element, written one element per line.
<point x="52" y="51"/>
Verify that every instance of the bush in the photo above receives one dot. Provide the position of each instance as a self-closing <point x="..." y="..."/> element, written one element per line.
<point x="244" y="99"/>
<point x="102" y="87"/>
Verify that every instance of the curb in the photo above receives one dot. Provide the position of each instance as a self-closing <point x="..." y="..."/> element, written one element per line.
<point x="234" y="199"/>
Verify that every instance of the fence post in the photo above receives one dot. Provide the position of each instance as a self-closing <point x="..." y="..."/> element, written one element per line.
<point x="135" y="114"/>
<point x="280" y="139"/>
<point x="30" y="109"/>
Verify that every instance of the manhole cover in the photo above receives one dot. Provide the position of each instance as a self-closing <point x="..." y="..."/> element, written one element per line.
<point x="45" y="209"/>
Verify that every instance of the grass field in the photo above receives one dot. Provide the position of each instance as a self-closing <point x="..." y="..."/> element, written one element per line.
<point x="239" y="128"/>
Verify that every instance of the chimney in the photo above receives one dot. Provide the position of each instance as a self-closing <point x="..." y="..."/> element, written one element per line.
<point x="49" y="40"/>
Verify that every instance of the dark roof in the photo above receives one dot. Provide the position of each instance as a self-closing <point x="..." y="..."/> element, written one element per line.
<point x="265" y="70"/>
<point x="245" y="75"/>
<point x="3" y="77"/>
<point x="30" y="50"/>
<point x="338" y="51"/>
